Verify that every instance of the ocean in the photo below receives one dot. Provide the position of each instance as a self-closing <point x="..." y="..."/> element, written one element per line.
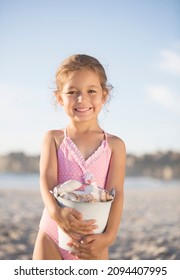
<point x="31" y="181"/>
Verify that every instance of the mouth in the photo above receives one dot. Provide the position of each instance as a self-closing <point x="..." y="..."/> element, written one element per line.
<point x="83" y="110"/>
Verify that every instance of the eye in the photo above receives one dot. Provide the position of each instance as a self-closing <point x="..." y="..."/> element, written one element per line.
<point x="72" y="92"/>
<point x="91" y="91"/>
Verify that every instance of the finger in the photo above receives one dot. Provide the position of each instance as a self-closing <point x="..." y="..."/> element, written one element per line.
<point x="88" y="239"/>
<point x="75" y="237"/>
<point x="73" y="244"/>
<point x="79" y="246"/>
<point x="82" y="228"/>
<point x="77" y="252"/>
<point x="77" y="215"/>
<point x="83" y="231"/>
<point x="89" y="225"/>
<point x="90" y="222"/>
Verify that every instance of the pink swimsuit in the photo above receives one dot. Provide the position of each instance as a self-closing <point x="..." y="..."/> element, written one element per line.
<point x="72" y="166"/>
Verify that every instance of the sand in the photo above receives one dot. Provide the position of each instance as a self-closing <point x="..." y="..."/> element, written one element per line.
<point x="149" y="227"/>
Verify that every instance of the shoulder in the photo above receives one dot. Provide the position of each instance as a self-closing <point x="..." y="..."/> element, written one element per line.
<point x="116" y="144"/>
<point x="54" y="136"/>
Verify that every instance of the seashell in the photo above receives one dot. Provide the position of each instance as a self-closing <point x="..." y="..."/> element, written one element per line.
<point x="55" y="191"/>
<point x="94" y="184"/>
<point x="103" y="196"/>
<point x="75" y="191"/>
<point x="65" y="195"/>
<point x="109" y="197"/>
<point x="88" y="189"/>
<point x="97" y="194"/>
<point x="68" y="186"/>
<point x="87" y="198"/>
<point x="71" y="197"/>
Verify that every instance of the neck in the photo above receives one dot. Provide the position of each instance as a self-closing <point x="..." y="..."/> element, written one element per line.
<point x="83" y="127"/>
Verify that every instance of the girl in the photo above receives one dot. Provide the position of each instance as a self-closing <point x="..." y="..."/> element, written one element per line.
<point x="82" y="148"/>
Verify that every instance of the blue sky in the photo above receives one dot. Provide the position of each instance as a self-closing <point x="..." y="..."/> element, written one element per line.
<point x="138" y="43"/>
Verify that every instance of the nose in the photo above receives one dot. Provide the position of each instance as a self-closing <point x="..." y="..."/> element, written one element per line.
<point x="82" y="96"/>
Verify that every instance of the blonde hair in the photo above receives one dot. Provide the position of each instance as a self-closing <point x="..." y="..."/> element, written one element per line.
<point x="77" y="62"/>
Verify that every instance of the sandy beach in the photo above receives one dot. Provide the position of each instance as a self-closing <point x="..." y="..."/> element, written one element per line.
<point x="149" y="228"/>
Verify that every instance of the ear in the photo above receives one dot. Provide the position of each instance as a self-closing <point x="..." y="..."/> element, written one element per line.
<point x="59" y="99"/>
<point x="104" y="96"/>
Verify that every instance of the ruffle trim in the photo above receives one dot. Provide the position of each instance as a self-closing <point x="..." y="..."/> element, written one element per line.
<point x="68" y="144"/>
<point x="79" y="157"/>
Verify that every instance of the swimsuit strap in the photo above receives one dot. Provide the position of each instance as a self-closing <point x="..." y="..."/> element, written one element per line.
<point x="65" y="133"/>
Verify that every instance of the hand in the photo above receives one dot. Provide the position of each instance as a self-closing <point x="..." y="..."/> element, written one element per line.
<point x="71" y="221"/>
<point x="90" y="247"/>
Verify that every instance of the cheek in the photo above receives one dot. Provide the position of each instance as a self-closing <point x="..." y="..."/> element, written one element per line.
<point x="99" y="104"/>
<point x="67" y="101"/>
<point x="63" y="100"/>
<point x="101" y="100"/>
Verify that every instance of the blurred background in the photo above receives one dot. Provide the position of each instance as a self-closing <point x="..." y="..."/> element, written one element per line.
<point x="138" y="43"/>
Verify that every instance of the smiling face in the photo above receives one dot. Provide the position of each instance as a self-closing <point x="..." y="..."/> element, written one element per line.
<point x="82" y="95"/>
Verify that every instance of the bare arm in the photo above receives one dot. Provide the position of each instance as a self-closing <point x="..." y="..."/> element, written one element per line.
<point x="116" y="180"/>
<point x="48" y="171"/>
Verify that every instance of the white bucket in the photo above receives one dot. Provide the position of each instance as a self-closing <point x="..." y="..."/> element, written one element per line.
<point x="98" y="211"/>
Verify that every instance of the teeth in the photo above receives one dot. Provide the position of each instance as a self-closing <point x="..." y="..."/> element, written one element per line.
<point x="82" y="109"/>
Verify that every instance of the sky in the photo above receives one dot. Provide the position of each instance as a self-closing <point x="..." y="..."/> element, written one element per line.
<point x="138" y="43"/>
